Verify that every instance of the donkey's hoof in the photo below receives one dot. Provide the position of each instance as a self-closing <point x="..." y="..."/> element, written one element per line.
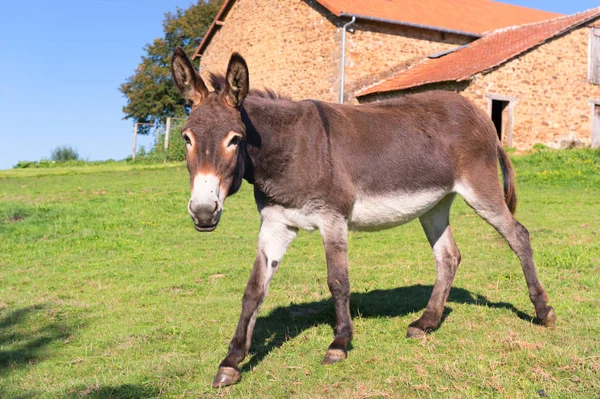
<point x="333" y="356"/>
<point x="415" y="332"/>
<point x="550" y="319"/>
<point x="226" y="376"/>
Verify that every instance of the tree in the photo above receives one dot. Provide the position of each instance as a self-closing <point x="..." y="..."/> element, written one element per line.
<point x="150" y="91"/>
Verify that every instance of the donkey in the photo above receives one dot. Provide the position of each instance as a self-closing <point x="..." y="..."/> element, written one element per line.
<point x="335" y="167"/>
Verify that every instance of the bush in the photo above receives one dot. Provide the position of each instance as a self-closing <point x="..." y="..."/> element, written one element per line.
<point x="25" y="164"/>
<point x="176" y="152"/>
<point x="177" y="146"/>
<point x="46" y="163"/>
<point x="64" y="153"/>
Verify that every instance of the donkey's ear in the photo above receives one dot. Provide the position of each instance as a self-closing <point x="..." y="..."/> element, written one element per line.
<point x="188" y="81"/>
<point x="237" y="81"/>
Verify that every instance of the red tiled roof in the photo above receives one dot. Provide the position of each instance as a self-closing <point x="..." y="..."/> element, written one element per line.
<point x="470" y="17"/>
<point x="481" y="55"/>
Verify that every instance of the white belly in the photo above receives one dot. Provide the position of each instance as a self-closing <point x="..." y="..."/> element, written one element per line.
<point x="378" y="212"/>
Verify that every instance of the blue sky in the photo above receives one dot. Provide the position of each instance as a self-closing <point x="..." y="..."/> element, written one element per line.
<point x="63" y="62"/>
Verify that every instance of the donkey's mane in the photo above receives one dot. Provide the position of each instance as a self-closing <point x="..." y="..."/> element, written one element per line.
<point x="217" y="81"/>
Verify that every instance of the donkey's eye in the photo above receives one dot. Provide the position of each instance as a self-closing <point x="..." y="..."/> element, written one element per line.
<point x="235" y="140"/>
<point x="187" y="139"/>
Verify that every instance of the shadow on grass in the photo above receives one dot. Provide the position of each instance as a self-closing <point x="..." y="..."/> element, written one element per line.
<point x="125" y="391"/>
<point x="286" y="322"/>
<point x="23" y="344"/>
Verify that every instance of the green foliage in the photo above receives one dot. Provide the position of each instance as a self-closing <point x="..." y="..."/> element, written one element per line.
<point x="26" y="164"/>
<point x="177" y="145"/>
<point x="64" y="153"/>
<point x="176" y="149"/>
<point x="540" y="147"/>
<point x="45" y="163"/>
<point x="574" y="167"/>
<point x="107" y="291"/>
<point x="156" y="154"/>
<point x="151" y="94"/>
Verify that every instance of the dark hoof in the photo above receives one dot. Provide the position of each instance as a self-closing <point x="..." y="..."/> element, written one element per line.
<point x="550" y="319"/>
<point x="414" y="332"/>
<point x="333" y="356"/>
<point x="226" y="376"/>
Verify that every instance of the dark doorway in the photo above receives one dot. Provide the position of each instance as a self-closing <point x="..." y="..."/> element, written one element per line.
<point x="500" y="118"/>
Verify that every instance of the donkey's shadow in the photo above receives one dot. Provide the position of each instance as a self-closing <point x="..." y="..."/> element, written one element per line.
<point x="286" y="322"/>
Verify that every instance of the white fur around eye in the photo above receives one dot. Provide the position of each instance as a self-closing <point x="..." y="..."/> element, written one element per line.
<point x="231" y="141"/>
<point x="190" y="138"/>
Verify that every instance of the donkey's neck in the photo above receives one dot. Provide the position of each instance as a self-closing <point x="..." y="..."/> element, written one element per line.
<point x="272" y="130"/>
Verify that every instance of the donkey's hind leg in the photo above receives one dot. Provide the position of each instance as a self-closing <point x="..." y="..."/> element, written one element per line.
<point x="488" y="201"/>
<point x="436" y="223"/>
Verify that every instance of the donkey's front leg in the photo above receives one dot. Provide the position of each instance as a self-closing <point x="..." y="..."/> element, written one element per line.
<point x="335" y="240"/>
<point x="273" y="240"/>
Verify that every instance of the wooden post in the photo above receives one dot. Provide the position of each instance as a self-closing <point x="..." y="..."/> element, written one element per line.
<point x="135" y="130"/>
<point x="167" y="131"/>
<point x="595" y="123"/>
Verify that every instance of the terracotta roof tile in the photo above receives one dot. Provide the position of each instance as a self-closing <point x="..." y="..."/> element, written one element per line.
<point x="481" y="55"/>
<point x="472" y="17"/>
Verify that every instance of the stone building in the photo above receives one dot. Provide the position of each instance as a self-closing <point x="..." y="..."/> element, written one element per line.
<point x="539" y="82"/>
<point x="530" y="75"/>
<point x="294" y="46"/>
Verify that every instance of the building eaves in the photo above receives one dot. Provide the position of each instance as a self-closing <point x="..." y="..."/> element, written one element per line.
<point x="482" y="55"/>
<point x="469" y="18"/>
<point x="410" y="24"/>
<point x="216" y="23"/>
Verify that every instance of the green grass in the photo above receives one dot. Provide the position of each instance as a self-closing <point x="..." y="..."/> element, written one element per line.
<point x="107" y="291"/>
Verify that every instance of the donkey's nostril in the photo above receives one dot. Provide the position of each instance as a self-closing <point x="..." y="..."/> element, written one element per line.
<point x="216" y="207"/>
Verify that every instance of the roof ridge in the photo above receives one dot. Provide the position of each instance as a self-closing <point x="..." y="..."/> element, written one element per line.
<point x="514" y="27"/>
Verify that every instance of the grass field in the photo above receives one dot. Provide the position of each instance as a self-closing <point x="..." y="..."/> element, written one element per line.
<point x="107" y="291"/>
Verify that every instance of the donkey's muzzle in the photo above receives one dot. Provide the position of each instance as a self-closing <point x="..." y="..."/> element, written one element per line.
<point x="205" y="229"/>
<point x="206" y="203"/>
<point x="205" y="215"/>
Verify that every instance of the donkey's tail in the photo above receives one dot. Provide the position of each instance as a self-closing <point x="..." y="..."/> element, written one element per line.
<point x="508" y="175"/>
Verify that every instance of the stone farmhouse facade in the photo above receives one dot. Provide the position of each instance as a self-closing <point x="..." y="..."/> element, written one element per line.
<point x="295" y="47"/>
<point x="539" y="82"/>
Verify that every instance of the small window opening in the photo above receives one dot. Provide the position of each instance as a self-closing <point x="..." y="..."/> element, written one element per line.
<point x="500" y="117"/>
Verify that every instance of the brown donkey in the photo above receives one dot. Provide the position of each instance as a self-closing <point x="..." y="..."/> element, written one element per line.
<point x="331" y="167"/>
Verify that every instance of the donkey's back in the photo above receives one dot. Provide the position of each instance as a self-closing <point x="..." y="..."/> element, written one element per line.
<point x="402" y="156"/>
<point x="436" y="130"/>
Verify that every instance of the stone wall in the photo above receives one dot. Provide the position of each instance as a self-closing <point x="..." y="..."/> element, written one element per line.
<point x="294" y="47"/>
<point x="288" y="44"/>
<point x="551" y="89"/>
<point x="376" y="51"/>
